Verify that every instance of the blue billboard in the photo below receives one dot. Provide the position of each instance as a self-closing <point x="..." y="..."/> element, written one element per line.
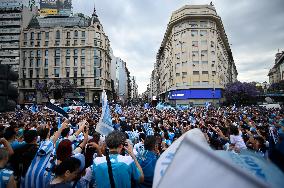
<point x="195" y="94"/>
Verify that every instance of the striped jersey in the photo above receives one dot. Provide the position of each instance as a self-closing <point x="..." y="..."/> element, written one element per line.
<point x="39" y="173"/>
<point x="123" y="168"/>
<point x="5" y="175"/>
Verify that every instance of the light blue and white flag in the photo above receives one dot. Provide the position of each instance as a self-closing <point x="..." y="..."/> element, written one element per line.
<point x="105" y="123"/>
<point x="146" y="106"/>
<point x="160" y="106"/>
<point x="118" y="109"/>
<point x="148" y="129"/>
<point x="34" y="108"/>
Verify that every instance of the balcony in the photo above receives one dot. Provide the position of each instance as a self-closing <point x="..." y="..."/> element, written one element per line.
<point x="8" y="53"/>
<point x="9" y="61"/>
<point x="11" y="6"/>
<point x="9" y="23"/>
<point x="9" y="45"/>
<point x="10" y="30"/>
<point x="11" y="15"/>
<point x="10" y="38"/>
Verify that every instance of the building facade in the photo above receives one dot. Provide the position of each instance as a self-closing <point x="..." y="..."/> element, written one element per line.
<point x="194" y="62"/>
<point x="14" y="15"/>
<point x="57" y="52"/>
<point x="134" y="88"/>
<point x="276" y="73"/>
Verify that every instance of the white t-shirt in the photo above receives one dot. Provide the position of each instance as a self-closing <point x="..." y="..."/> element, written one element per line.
<point x="238" y="141"/>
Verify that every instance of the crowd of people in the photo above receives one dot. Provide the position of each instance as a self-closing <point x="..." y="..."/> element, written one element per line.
<point x="42" y="149"/>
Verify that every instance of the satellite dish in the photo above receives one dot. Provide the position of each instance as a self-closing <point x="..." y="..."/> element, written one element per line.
<point x="268" y="100"/>
<point x="52" y="101"/>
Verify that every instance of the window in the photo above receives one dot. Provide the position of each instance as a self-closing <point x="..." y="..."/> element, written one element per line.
<point x="38" y="62"/>
<point x="68" y="35"/>
<point x="57" y="52"/>
<point x="177" y="74"/>
<point x="204" y="72"/>
<point x="212" y="52"/>
<point x="46" y="62"/>
<point x="30" y="83"/>
<point x="25" y="36"/>
<point x="97" y="43"/>
<point x="82" y="72"/>
<point x="68" y="43"/>
<point x="204" y="52"/>
<point x="194" y="53"/>
<point x="39" y="36"/>
<point x="203" y="42"/>
<point x="83" y="52"/>
<point x="75" y="73"/>
<point x="196" y="83"/>
<point x="32" y="43"/>
<point x="31" y="73"/>
<point x="75" y="81"/>
<point x="204" y="62"/>
<point x="97" y="62"/>
<point x="67" y="62"/>
<point x="82" y="61"/>
<point x="184" y="73"/>
<point x="82" y="82"/>
<point x="75" y="61"/>
<point x="194" y="33"/>
<point x="37" y="73"/>
<point x="23" y="83"/>
<point x="24" y="73"/>
<point x="83" y="34"/>
<point x="57" y="34"/>
<point x="97" y="72"/>
<point x="203" y="33"/>
<point x="32" y="35"/>
<point x="38" y="53"/>
<point x="76" y="34"/>
<point x="193" y="24"/>
<point x="213" y="73"/>
<point x="46" y="53"/>
<point x="67" y="72"/>
<point x="67" y="52"/>
<point x="212" y="44"/>
<point x="46" y="35"/>
<point x="203" y="23"/>
<point x="31" y="54"/>
<point x="75" y="52"/>
<point x="57" y="62"/>
<point x="46" y="43"/>
<point x="75" y="42"/>
<point x="195" y="43"/>
<point x="98" y="35"/>
<point x="83" y="42"/>
<point x="177" y="65"/>
<point x="97" y="83"/>
<point x="45" y="73"/>
<point x="57" y="42"/>
<point x="97" y="53"/>
<point x="195" y="72"/>
<point x="56" y="72"/>
<point x="25" y="43"/>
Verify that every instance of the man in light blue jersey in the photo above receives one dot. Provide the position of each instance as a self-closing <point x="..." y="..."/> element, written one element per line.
<point x="39" y="172"/>
<point x="122" y="168"/>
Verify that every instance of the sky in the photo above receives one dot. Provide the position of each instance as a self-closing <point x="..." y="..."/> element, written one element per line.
<point x="255" y="30"/>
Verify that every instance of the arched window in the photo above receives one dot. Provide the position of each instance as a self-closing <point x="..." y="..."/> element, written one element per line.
<point x="76" y="34"/>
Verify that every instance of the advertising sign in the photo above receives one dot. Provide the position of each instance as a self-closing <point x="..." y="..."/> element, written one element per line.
<point x="63" y="7"/>
<point x="48" y="12"/>
<point x="195" y="94"/>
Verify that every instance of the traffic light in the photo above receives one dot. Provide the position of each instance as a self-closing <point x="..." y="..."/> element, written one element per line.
<point x="8" y="92"/>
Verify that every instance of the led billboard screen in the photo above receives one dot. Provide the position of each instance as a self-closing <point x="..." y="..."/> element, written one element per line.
<point x="195" y="94"/>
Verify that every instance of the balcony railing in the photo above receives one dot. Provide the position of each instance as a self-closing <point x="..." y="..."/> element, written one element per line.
<point x="9" y="61"/>
<point x="9" y="45"/>
<point x="9" y="23"/>
<point x="9" y="53"/>
<point x="10" y="30"/>
<point x="9" y="38"/>
<point x="12" y="15"/>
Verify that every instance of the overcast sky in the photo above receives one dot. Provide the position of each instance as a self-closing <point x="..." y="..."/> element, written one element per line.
<point x="255" y="29"/>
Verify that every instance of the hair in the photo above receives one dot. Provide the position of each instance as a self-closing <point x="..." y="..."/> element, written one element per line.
<point x="115" y="139"/>
<point x="43" y="133"/>
<point x="9" y="133"/>
<point x="30" y="136"/>
<point x="71" y="164"/>
<point x="234" y="130"/>
<point x="65" y="132"/>
<point x="150" y="143"/>
<point x="142" y="136"/>
<point x="3" y="154"/>
<point x="64" y="150"/>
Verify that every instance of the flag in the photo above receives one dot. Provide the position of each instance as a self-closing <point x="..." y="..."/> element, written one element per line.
<point x="118" y="109"/>
<point x="57" y="109"/>
<point x="246" y="168"/>
<point x="148" y="129"/>
<point x="146" y="106"/>
<point x="105" y="123"/>
<point x="34" y="108"/>
<point x="58" y="122"/>
<point x="160" y="106"/>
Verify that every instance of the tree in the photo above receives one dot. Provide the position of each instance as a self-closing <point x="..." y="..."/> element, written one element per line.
<point x="240" y="93"/>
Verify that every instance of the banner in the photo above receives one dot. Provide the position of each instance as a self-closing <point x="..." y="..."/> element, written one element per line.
<point x="53" y="7"/>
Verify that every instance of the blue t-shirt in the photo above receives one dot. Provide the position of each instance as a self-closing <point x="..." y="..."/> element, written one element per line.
<point x="123" y="169"/>
<point x="5" y="175"/>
